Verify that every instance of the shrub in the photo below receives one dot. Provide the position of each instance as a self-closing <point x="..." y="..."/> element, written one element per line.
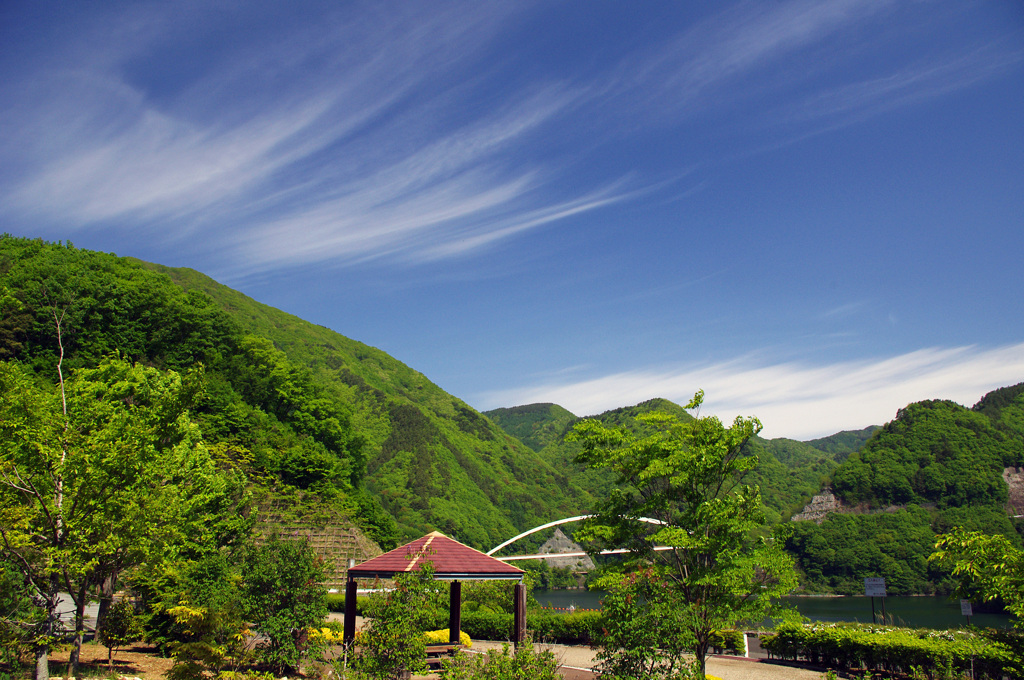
<point x="392" y="643"/>
<point x="120" y="626"/>
<point x="524" y="662"/>
<point x="486" y="624"/>
<point x="727" y="641"/>
<point x="576" y="628"/>
<point x="844" y="646"/>
<point x="283" y="596"/>
<point x="441" y="637"/>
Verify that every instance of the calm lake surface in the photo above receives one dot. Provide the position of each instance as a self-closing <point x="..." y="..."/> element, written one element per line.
<point x="915" y="612"/>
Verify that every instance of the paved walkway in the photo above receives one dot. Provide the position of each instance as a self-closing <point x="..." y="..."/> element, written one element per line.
<point x="576" y="663"/>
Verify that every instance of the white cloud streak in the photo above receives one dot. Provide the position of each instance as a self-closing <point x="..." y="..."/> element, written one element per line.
<point x="692" y="71"/>
<point x="331" y="167"/>
<point x="372" y="140"/>
<point x="795" y="400"/>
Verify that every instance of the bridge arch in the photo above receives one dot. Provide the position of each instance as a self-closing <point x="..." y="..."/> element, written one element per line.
<point x="557" y="522"/>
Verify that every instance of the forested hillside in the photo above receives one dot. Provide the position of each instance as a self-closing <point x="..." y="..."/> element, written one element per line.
<point x="938" y="465"/>
<point x="324" y="429"/>
<point x="535" y="425"/>
<point x="790" y="472"/>
<point x="322" y="426"/>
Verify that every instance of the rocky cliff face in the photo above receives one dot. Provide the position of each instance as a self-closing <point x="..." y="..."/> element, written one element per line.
<point x="560" y="543"/>
<point x="826" y="502"/>
<point x="819" y="507"/>
<point x="1014" y="477"/>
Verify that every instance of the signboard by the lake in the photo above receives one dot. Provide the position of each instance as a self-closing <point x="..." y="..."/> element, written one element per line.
<point x="874" y="587"/>
<point x="965" y="608"/>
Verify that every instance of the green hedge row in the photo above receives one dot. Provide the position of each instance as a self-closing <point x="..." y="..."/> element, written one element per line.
<point x="576" y="628"/>
<point x="990" y="653"/>
<point x="336" y="603"/>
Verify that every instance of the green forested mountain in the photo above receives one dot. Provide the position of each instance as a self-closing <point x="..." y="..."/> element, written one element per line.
<point x="313" y="418"/>
<point x="933" y="452"/>
<point x="789" y="474"/>
<point x="842" y="444"/>
<point x="535" y="425"/>
<point x="1005" y="408"/>
<point x="937" y="466"/>
<point x="562" y="454"/>
<point x="327" y="429"/>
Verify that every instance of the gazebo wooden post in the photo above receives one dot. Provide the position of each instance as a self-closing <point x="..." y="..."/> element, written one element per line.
<point x="519" y="613"/>
<point x="350" y="611"/>
<point x="454" y="612"/>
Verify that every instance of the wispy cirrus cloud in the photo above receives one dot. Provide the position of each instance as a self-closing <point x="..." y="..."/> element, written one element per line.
<point x="368" y="156"/>
<point x="694" y="71"/>
<point x="907" y="86"/>
<point x="384" y="131"/>
<point x="793" y="399"/>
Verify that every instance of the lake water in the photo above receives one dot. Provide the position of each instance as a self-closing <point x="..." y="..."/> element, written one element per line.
<point x="915" y="612"/>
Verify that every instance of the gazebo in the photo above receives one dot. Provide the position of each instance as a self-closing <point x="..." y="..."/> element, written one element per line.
<point x="453" y="562"/>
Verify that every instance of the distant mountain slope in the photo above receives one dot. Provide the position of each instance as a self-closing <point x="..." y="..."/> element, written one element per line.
<point x="842" y="444"/>
<point x="933" y="452"/>
<point x="1005" y="408"/>
<point x="309" y="414"/>
<point x="535" y="425"/>
<point x="561" y="454"/>
<point x="936" y="466"/>
<point x="790" y="472"/>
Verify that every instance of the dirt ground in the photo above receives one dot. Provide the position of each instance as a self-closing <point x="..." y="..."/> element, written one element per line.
<point x="137" y="660"/>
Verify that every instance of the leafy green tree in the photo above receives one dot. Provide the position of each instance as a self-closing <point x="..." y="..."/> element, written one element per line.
<point x="98" y="474"/>
<point x="717" y="570"/>
<point x="283" y="595"/>
<point x="990" y="567"/>
<point x="18" y="615"/>
<point x="392" y="644"/>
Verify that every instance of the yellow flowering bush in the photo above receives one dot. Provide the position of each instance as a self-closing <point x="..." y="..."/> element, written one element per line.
<point x="440" y="637"/>
<point x="330" y="636"/>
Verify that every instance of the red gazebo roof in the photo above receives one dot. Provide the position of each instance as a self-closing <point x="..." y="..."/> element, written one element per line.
<point x="451" y="560"/>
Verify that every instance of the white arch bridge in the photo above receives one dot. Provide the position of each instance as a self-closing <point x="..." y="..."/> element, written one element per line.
<point x="580" y="553"/>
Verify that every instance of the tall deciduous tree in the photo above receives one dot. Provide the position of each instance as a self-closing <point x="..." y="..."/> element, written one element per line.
<point x="98" y="474"/>
<point x="715" y="569"/>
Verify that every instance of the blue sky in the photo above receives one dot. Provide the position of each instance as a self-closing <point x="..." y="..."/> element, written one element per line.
<point x="812" y="210"/>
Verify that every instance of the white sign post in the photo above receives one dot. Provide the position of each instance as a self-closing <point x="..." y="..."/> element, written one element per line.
<point x="875" y="587"/>
<point x="967" y="610"/>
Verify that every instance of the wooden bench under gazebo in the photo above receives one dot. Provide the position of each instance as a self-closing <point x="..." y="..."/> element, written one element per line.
<point x="453" y="562"/>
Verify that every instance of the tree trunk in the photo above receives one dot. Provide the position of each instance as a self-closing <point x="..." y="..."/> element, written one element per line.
<point x="107" y="588"/>
<point x="701" y="652"/>
<point x="42" y="671"/>
<point x="81" y="599"/>
<point x="49" y="628"/>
